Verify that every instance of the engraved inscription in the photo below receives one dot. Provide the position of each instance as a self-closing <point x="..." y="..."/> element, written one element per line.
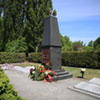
<point x="45" y="55"/>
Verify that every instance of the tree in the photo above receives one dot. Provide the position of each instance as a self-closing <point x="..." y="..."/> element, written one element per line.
<point x="66" y="43"/>
<point x="91" y="43"/>
<point x="54" y="13"/>
<point x="18" y="45"/>
<point x="97" y="43"/>
<point x="25" y="18"/>
<point x="36" y="12"/>
<point x="13" y="19"/>
<point x="77" y="46"/>
<point x="1" y="33"/>
<point x="1" y="8"/>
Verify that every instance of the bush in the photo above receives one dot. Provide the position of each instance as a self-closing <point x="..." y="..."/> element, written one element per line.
<point x="81" y="59"/>
<point x="89" y="59"/>
<point x="18" y="45"/>
<point x="7" y="91"/>
<point x="8" y="57"/>
<point x="35" y="57"/>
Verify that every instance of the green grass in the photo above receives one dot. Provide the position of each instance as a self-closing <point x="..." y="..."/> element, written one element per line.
<point x="89" y="73"/>
<point x="26" y="64"/>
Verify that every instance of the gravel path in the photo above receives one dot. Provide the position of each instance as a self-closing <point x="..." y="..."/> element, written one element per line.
<point x="37" y="90"/>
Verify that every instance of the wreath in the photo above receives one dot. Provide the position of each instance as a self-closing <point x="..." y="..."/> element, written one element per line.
<point x="42" y="72"/>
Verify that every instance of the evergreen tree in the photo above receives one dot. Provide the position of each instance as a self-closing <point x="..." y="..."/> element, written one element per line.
<point x="1" y="33"/>
<point x="13" y="19"/>
<point x="66" y="43"/>
<point x="36" y="12"/>
<point x="97" y="43"/>
<point x="24" y="18"/>
<point x="91" y="43"/>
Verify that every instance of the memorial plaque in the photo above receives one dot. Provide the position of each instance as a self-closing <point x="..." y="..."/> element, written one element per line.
<point x="45" y="55"/>
<point x="91" y="86"/>
<point x="95" y="81"/>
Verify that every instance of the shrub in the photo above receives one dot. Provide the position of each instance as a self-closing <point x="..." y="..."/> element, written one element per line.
<point x="7" y="91"/>
<point x="89" y="59"/>
<point x="81" y="59"/>
<point x="8" y="57"/>
<point x="35" y="57"/>
<point x="18" y="45"/>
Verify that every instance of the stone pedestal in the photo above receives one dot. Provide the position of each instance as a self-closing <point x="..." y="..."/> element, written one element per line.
<point x="52" y="54"/>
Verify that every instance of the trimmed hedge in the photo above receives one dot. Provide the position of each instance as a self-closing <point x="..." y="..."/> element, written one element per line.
<point x="82" y="59"/>
<point x="75" y="59"/>
<point x="7" y="91"/>
<point x="8" y="57"/>
<point x="34" y="57"/>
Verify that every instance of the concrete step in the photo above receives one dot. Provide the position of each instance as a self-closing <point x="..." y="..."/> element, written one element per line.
<point x="61" y="73"/>
<point x="61" y="77"/>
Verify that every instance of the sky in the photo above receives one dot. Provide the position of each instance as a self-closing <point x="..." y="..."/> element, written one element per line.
<point x="78" y="19"/>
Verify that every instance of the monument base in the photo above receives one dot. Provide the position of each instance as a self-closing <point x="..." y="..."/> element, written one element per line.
<point x="60" y="75"/>
<point x="52" y="54"/>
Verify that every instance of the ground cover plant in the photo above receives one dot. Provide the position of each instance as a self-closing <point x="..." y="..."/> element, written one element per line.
<point x="7" y="91"/>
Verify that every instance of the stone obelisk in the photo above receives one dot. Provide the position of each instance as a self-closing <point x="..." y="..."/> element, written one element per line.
<point x="51" y="44"/>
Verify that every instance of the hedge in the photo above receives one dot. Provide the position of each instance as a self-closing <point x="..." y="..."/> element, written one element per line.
<point x="75" y="59"/>
<point x="81" y="59"/>
<point x="34" y="57"/>
<point x="7" y="91"/>
<point x="8" y="57"/>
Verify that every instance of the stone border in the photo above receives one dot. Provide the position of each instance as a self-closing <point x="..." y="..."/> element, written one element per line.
<point x="84" y="92"/>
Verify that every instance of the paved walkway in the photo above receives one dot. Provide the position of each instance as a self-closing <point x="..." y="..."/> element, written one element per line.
<point x="37" y="90"/>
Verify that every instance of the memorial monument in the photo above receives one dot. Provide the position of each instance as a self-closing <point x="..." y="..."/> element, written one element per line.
<point x="51" y="47"/>
<point x="51" y="44"/>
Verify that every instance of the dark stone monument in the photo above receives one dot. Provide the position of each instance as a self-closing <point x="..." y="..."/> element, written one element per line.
<point x="51" y="44"/>
<point x="51" y="47"/>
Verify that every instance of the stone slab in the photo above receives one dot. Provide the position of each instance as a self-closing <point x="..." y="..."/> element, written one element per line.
<point x="95" y="81"/>
<point x="90" y="87"/>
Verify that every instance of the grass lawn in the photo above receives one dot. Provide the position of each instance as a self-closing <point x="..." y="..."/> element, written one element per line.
<point x="89" y="74"/>
<point x="26" y="64"/>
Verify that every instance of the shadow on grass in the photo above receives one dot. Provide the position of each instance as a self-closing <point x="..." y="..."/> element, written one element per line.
<point x="79" y="77"/>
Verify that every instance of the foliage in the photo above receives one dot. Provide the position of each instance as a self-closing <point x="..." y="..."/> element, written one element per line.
<point x="18" y="45"/>
<point x="77" y="46"/>
<point x="91" y="43"/>
<point x="87" y="48"/>
<point x="82" y="59"/>
<point x="34" y="57"/>
<point x="97" y="44"/>
<point x="1" y="33"/>
<point x="54" y="13"/>
<point x="13" y="16"/>
<point x="7" y="91"/>
<point x="66" y="43"/>
<point x="35" y="11"/>
<point x="24" y="18"/>
<point x="8" y="57"/>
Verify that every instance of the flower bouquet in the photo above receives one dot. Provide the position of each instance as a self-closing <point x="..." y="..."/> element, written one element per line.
<point x="42" y="72"/>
